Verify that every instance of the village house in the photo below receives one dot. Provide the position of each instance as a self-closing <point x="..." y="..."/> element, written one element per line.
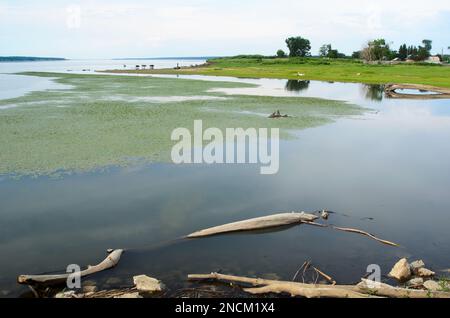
<point x="434" y="59"/>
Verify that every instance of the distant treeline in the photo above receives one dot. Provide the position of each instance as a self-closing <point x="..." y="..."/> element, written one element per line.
<point x="28" y="59"/>
<point x="166" y="58"/>
<point x="373" y="51"/>
<point x="274" y="59"/>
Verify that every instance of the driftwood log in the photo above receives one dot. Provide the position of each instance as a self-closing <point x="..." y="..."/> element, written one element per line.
<point x="265" y="286"/>
<point x="111" y="261"/>
<point x="261" y="223"/>
<point x="439" y="92"/>
<point x="277" y="220"/>
<point x="365" y="289"/>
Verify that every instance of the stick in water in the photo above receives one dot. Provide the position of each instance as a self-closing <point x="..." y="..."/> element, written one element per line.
<point x="366" y="234"/>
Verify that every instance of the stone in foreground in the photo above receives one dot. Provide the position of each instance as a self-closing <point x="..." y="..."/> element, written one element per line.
<point x="431" y="285"/>
<point x="145" y="284"/>
<point x="68" y="294"/>
<point x="401" y="270"/>
<point x="423" y="272"/>
<point x="415" y="282"/>
<point x="416" y="265"/>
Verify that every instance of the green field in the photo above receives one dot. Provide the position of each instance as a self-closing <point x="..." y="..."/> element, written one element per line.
<point x="105" y="120"/>
<point x="339" y="70"/>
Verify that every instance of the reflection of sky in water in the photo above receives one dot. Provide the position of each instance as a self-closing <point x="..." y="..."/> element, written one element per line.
<point x="392" y="165"/>
<point x="12" y="86"/>
<point x="371" y="96"/>
<point x="416" y="92"/>
<point x="89" y="66"/>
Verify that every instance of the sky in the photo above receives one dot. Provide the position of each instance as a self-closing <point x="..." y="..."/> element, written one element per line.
<point x="134" y="28"/>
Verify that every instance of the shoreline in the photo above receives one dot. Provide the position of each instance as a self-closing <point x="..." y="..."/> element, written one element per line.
<point x="412" y="279"/>
<point x="336" y="71"/>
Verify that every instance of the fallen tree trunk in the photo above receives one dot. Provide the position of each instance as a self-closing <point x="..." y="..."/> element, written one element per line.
<point x="264" y="286"/>
<point x="365" y="289"/>
<point x="111" y="261"/>
<point x="265" y="222"/>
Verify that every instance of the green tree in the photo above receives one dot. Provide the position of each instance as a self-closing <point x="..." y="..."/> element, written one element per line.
<point x="324" y="50"/>
<point x="327" y="50"/>
<point x="412" y="52"/>
<point x="281" y="53"/>
<point x="403" y="52"/>
<point x="376" y="50"/>
<point x="298" y="46"/>
<point x="334" y="54"/>
<point x="422" y="54"/>
<point x="428" y="45"/>
<point x="356" y="55"/>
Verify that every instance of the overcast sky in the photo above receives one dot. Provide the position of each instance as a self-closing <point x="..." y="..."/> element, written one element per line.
<point x="134" y="28"/>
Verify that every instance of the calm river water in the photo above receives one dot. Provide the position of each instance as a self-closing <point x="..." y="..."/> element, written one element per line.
<point x="387" y="172"/>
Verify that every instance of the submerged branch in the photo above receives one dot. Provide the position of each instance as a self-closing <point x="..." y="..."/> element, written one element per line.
<point x="366" y="234"/>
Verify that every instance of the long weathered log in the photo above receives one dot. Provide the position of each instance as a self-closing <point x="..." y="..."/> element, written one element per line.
<point x="265" y="222"/>
<point x="111" y="261"/>
<point x="265" y="286"/>
<point x="384" y="290"/>
<point x="365" y="289"/>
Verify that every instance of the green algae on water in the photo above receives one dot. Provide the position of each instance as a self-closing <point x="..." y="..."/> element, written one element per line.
<point x="104" y="120"/>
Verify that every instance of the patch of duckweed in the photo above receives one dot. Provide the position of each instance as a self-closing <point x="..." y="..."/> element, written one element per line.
<point x="108" y="120"/>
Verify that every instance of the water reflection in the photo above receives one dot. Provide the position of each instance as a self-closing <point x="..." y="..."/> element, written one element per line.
<point x="12" y="86"/>
<point x="373" y="92"/>
<point x="293" y="85"/>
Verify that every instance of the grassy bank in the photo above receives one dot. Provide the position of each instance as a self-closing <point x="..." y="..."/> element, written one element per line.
<point x="117" y="120"/>
<point x="340" y="70"/>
